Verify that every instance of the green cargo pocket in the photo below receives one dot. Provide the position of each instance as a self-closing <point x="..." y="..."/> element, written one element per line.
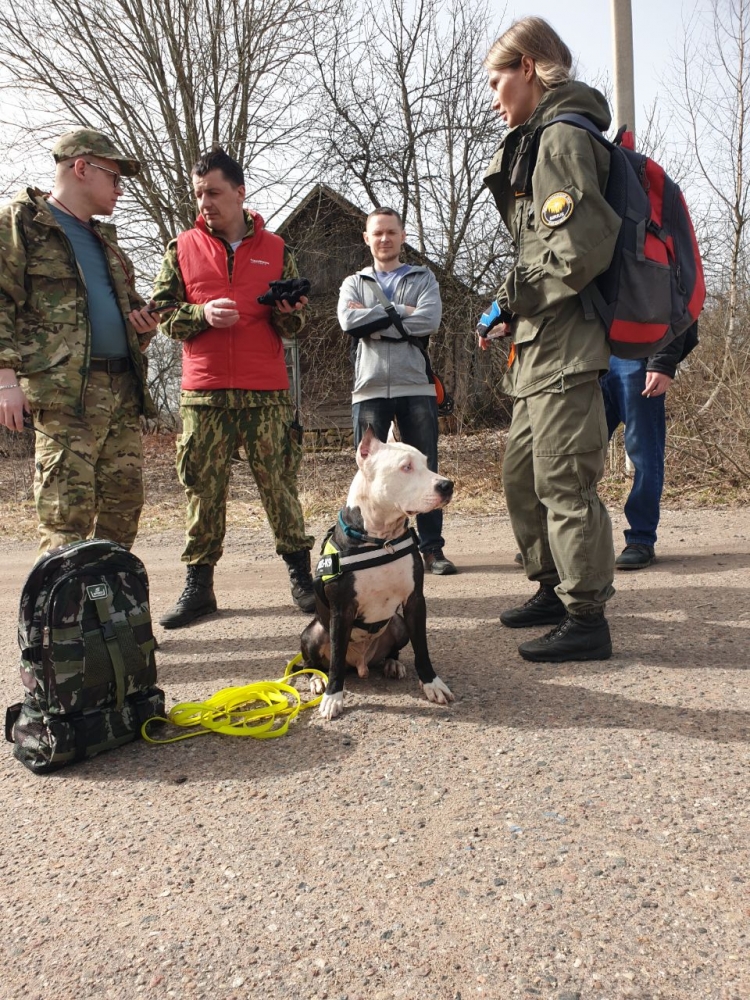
<point x="44" y="744"/>
<point x="293" y="446"/>
<point x="568" y="423"/>
<point x="51" y="484"/>
<point x="195" y="469"/>
<point x="527" y="330"/>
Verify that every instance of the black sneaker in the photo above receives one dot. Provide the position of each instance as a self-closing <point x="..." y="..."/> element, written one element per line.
<point x="579" y="637"/>
<point x="437" y="563"/>
<point x="635" y="556"/>
<point x="544" y="608"/>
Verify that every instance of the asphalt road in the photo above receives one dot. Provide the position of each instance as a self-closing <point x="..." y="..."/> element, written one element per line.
<point x="578" y="831"/>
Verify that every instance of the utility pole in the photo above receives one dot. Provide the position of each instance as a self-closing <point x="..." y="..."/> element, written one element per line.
<point x="622" y="43"/>
<point x="622" y="46"/>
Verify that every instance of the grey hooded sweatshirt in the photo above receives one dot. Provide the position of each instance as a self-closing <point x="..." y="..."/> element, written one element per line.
<point x="387" y="366"/>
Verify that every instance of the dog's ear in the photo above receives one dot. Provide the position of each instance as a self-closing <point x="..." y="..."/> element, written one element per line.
<point x="367" y="446"/>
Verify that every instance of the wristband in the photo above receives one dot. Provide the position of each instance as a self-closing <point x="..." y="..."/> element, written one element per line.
<point x="13" y="385"/>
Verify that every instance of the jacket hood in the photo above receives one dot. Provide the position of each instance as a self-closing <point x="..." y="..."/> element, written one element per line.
<point x="415" y="269"/>
<point x="572" y="98"/>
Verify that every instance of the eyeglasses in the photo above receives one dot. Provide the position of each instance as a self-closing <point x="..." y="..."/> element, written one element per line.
<point x="117" y="179"/>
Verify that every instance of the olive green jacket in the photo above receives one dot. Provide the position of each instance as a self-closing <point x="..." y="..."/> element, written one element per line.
<point x="188" y="320"/>
<point x="556" y="346"/>
<point x="45" y="335"/>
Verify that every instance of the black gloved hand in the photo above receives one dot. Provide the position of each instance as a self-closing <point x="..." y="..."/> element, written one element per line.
<point x="290" y="290"/>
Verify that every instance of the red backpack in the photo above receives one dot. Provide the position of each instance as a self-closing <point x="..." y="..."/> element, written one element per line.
<point x="654" y="288"/>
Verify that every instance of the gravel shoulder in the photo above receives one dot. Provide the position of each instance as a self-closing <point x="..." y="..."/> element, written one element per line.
<point x="561" y="832"/>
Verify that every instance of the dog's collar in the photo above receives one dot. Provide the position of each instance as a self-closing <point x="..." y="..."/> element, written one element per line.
<point x="361" y="536"/>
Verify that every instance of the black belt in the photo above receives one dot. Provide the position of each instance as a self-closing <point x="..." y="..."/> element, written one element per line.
<point x="112" y="366"/>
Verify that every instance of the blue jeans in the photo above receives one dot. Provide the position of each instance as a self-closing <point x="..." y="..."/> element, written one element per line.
<point x="645" y="439"/>
<point x="417" y="419"/>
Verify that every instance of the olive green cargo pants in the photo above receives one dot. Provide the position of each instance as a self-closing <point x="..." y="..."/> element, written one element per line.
<point x="210" y="438"/>
<point x="553" y="462"/>
<point x="90" y="479"/>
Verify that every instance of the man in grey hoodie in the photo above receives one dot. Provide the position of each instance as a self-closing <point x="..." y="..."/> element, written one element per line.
<point x="388" y="308"/>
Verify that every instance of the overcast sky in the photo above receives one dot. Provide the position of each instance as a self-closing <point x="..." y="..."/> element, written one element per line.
<point x="586" y="27"/>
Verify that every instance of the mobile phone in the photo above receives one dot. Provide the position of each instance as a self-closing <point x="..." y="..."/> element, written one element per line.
<point x="156" y="310"/>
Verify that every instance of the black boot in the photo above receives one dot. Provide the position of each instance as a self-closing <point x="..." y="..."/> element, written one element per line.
<point x="544" y="608"/>
<point x="298" y="564"/>
<point x="578" y="637"/>
<point x="197" y="599"/>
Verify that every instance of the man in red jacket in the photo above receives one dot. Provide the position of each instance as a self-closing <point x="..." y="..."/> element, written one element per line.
<point x="235" y="387"/>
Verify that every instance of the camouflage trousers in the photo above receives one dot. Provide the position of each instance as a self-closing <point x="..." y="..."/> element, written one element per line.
<point x="89" y="480"/>
<point x="210" y="437"/>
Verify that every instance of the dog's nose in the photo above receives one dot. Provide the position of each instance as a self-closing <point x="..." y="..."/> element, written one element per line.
<point x="445" y="487"/>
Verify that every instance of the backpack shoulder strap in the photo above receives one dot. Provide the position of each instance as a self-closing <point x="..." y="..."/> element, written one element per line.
<point x="390" y="309"/>
<point x="395" y="318"/>
<point x="526" y="157"/>
<point x="582" y="122"/>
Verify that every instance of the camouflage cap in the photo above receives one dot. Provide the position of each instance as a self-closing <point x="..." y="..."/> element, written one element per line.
<point x="87" y="142"/>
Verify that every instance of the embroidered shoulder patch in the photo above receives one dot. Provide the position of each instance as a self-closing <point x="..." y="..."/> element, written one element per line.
<point x="557" y="209"/>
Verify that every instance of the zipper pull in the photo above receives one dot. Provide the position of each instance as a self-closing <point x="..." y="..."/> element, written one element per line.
<point x="45" y="636"/>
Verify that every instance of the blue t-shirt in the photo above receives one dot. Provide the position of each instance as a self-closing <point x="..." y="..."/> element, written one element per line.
<point x="108" y="336"/>
<point x="389" y="279"/>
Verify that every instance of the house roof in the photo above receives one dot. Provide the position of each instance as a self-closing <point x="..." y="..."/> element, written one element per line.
<point x="322" y="192"/>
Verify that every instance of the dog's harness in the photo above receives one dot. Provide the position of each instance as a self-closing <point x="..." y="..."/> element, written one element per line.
<point x="332" y="564"/>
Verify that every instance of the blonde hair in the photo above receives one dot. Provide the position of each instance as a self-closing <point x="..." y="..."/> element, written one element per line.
<point x="533" y="37"/>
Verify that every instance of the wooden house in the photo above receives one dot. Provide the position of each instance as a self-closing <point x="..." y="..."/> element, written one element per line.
<point x="324" y="232"/>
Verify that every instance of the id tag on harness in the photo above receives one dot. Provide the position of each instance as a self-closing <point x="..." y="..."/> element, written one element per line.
<point x="96" y="591"/>
<point x="328" y="566"/>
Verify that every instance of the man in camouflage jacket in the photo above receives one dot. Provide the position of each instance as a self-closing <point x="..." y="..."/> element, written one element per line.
<point x="235" y="387"/>
<point x="72" y="332"/>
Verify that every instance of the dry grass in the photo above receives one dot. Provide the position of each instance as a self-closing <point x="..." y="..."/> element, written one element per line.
<point x="473" y="461"/>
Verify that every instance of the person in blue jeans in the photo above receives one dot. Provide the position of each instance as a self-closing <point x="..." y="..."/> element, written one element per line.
<point x="634" y="395"/>
<point x="390" y="370"/>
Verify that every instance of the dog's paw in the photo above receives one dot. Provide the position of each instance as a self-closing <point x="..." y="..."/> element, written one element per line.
<point x="438" y="692"/>
<point x="332" y="705"/>
<point x="316" y="685"/>
<point x="394" y="669"/>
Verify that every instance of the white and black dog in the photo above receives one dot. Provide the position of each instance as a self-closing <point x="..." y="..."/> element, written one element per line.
<point x="371" y="570"/>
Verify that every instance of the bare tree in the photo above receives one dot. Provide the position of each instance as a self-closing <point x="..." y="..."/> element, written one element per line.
<point x="404" y="119"/>
<point x="712" y="114"/>
<point x="169" y="78"/>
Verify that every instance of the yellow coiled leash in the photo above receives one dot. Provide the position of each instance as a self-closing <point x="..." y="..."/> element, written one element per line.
<point x="227" y="711"/>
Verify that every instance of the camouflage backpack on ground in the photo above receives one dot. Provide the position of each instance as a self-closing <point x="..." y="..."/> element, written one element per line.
<point x="87" y="656"/>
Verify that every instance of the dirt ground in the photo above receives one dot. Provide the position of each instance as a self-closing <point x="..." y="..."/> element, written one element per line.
<point x="578" y="831"/>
